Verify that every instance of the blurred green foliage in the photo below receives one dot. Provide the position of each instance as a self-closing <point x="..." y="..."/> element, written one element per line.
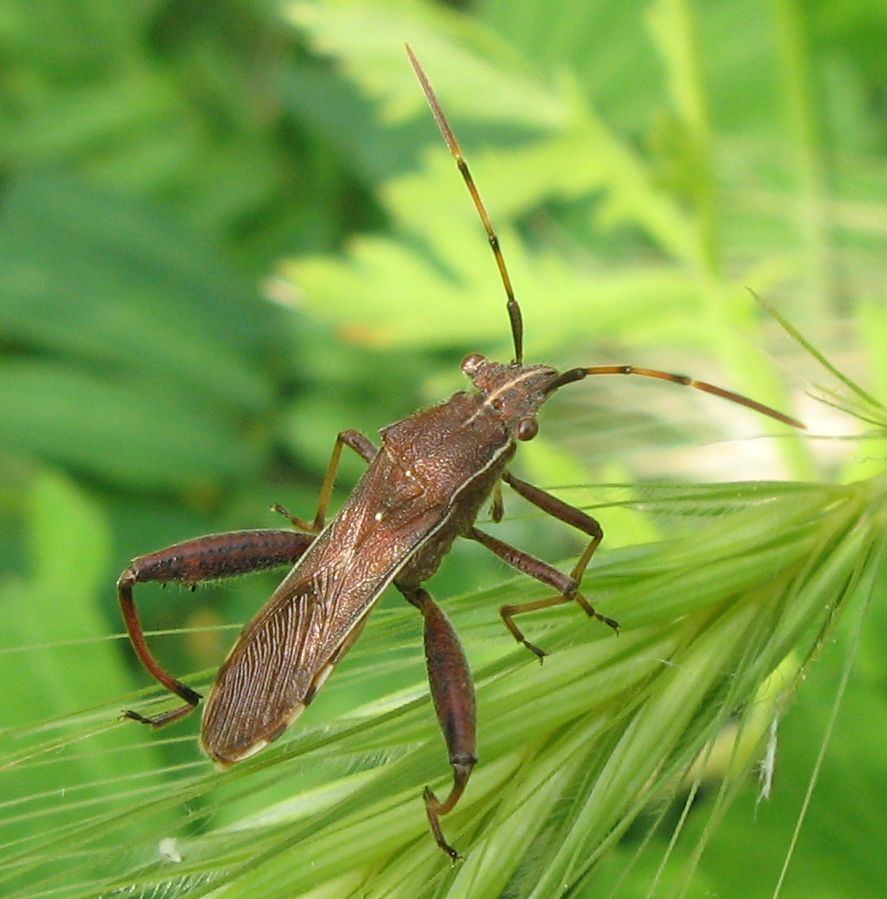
<point x="229" y="230"/>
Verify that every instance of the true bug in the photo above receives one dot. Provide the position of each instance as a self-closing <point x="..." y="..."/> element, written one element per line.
<point x="422" y="490"/>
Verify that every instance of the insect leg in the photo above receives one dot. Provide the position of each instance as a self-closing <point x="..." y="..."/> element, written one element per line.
<point x="453" y="693"/>
<point x="566" y="585"/>
<point x="363" y="447"/>
<point x="564" y="512"/>
<point x="497" y="506"/>
<point x="213" y="557"/>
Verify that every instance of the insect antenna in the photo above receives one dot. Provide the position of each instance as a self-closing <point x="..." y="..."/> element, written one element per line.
<point x="514" y="313"/>
<point x="577" y="374"/>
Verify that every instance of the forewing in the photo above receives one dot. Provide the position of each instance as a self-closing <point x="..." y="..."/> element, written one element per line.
<point x="288" y="650"/>
<point x="269" y="677"/>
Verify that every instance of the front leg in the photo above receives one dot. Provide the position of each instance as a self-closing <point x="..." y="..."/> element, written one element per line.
<point x="214" y="557"/>
<point x="452" y="691"/>
<point x="567" y="586"/>
<point x="564" y="512"/>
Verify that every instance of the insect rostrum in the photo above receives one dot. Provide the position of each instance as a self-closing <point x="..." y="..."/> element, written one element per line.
<point x="423" y="488"/>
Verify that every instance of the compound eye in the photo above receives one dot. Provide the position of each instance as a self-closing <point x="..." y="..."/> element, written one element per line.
<point x="527" y="429"/>
<point x="472" y="363"/>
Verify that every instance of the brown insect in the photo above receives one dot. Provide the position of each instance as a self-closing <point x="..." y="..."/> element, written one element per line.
<point x="422" y="490"/>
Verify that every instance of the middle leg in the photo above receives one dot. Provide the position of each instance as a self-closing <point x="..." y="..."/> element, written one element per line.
<point x="363" y="447"/>
<point x="452" y="691"/>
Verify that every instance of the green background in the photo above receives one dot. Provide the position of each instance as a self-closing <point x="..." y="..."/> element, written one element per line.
<point x="229" y="230"/>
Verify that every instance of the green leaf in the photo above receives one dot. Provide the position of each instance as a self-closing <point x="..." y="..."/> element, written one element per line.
<point x="572" y="753"/>
<point x="63" y="752"/>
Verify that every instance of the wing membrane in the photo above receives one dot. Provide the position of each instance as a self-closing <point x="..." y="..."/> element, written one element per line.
<point x="285" y="654"/>
<point x="263" y="685"/>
